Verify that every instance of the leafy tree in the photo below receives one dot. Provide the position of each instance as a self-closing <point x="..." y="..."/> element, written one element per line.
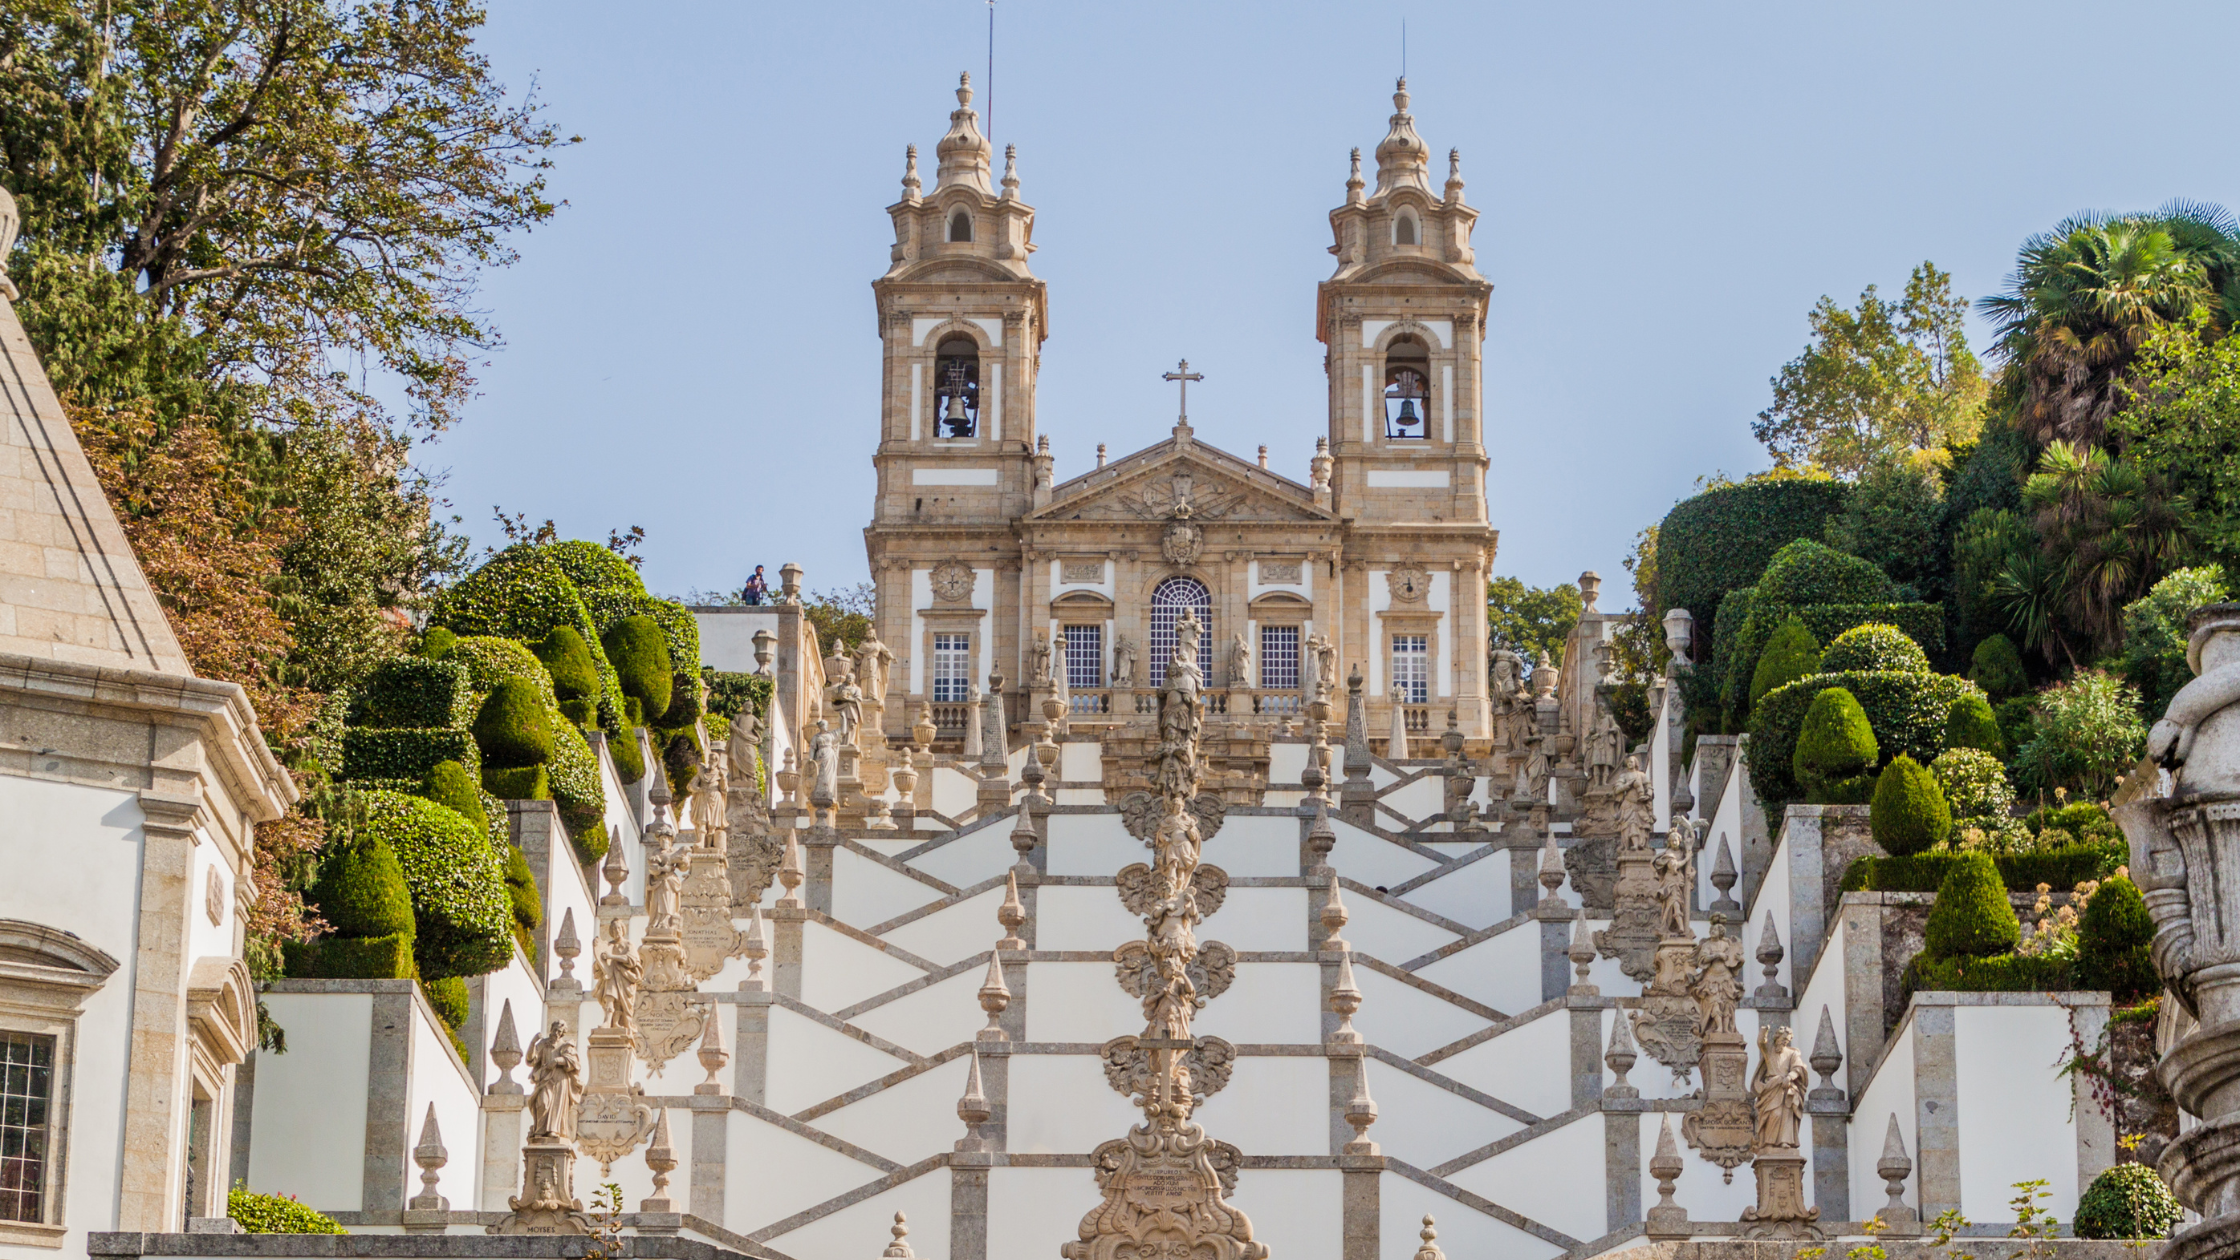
<point x="842" y="617"/>
<point x="2155" y="634"/>
<point x="1884" y="379"/>
<point x="1530" y="620"/>
<point x="1894" y="517"/>
<point x="2182" y="423"/>
<point x="2109" y="529"/>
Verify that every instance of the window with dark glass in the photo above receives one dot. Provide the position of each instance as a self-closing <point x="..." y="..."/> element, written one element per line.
<point x="26" y="1136"/>
<point x="956" y="388"/>
<point x="952" y="669"/>
<point x="1167" y="604"/>
<point x="1084" y="658"/>
<point x="1407" y="390"/>
<point x="1279" y="658"/>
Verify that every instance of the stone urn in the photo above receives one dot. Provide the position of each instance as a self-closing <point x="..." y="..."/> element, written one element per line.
<point x="922" y="734"/>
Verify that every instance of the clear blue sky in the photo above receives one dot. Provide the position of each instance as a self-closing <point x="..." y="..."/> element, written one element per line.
<point x="1665" y="190"/>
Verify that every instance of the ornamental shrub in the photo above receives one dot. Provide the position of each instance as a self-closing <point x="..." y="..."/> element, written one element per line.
<point x="572" y="771"/>
<point x="460" y="910"/>
<point x="679" y="628"/>
<point x="2127" y="1201"/>
<point x="1972" y="917"/>
<point x="514" y="728"/>
<point x="350" y="958"/>
<point x="277" y="1214"/>
<point x="581" y="714"/>
<point x="1790" y="654"/>
<point x="1875" y="649"/>
<point x="404" y="753"/>
<point x="522" y="593"/>
<point x="1721" y="540"/>
<point x="609" y="587"/>
<point x="2064" y="867"/>
<point x="436" y="643"/>
<point x="448" y="997"/>
<point x="680" y="757"/>
<point x="568" y="659"/>
<point x="2155" y="632"/>
<point x="2085" y="820"/>
<point x="519" y="783"/>
<point x="1999" y="973"/>
<point x="641" y="660"/>
<point x="2085" y="736"/>
<point x="2113" y="936"/>
<point x="521" y="889"/>
<point x="1997" y="668"/>
<point x="448" y="784"/>
<point x="412" y="691"/>
<point x="1974" y="784"/>
<point x="629" y="761"/>
<point x="1907" y="712"/>
<point x="1923" y="623"/>
<point x="1835" y="751"/>
<point x="1910" y="814"/>
<point x="1970" y="723"/>
<point x="685" y="702"/>
<point x="1807" y="571"/>
<point x="360" y="889"/>
<point x="731" y="693"/>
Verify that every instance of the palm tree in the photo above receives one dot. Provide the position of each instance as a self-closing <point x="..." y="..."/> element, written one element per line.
<point x="2085" y="295"/>
<point x="2108" y="530"/>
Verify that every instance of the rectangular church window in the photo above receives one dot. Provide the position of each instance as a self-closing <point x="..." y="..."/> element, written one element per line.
<point x="26" y="1099"/>
<point x="1084" y="658"/>
<point x="1279" y="658"/>
<point x="952" y="670"/>
<point x="1411" y="668"/>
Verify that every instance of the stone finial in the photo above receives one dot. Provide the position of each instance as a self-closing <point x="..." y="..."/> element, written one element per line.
<point x="756" y="949"/>
<point x="1334" y="917"/>
<point x="911" y="185"/>
<point x="1454" y="177"/>
<point x="1345" y="999"/>
<point x="661" y="1157"/>
<point x="617" y="873"/>
<point x="1826" y="1058"/>
<point x="567" y="945"/>
<point x="1582" y="954"/>
<point x="1667" y="1219"/>
<point x="1590" y="588"/>
<point x="1723" y="877"/>
<point x="974" y="1110"/>
<point x="1011" y="172"/>
<point x="1361" y="1110"/>
<point x="713" y="1056"/>
<point x="431" y="1157"/>
<point x="1551" y="873"/>
<point x="1322" y="838"/>
<point x="899" y="1249"/>
<point x="995" y="996"/>
<point x="1023" y="835"/>
<point x="505" y="1051"/>
<point x="1012" y="914"/>
<point x="1430" y="1248"/>
<point x="1770" y="953"/>
<point x="789" y="582"/>
<point x="1621" y="1056"/>
<point x="1354" y="183"/>
<point x="791" y="872"/>
<point x="1894" y="1167"/>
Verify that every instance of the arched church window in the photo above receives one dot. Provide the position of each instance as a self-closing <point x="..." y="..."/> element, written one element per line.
<point x="956" y="388"/>
<point x="1407" y="390"/>
<point x="1168" y="602"/>
<point x="960" y="226"/>
<point x="1404" y="230"/>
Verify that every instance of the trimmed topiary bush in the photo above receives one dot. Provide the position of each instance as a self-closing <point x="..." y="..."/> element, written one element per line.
<point x="582" y="714"/>
<point x="405" y="753"/>
<point x="629" y="761"/>
<point x="436" y="643"/>
<point x="1909" y="814"/>
<point x="680" y="757"/>
<point x="448" y="997"/>
<point x="1808" y="571"/>
<point x="1907" y="712"/>
<point x="1972" y="917"/>
<point x="349" y="958"/>
<point x="1997" y="668"/>
<point x="448" y="784"/>
<point x="640" y="653"/>
<point x="411" y="691"/>
<point x="514" y="729"/>
<point x="1791" y="653"/>
<point x="277" y="1214"/>
<point x="2127" y="1201"/>
<point x="2065" y="867"/>
<point x="1922" y="623"/>
<point x="1721" y="540"/>
<point x="572" y="771"/>
<point x="521" y="888"/>
<point x="1970" y="723"/>
<point x="2113" y="938"/>
<point x="519" y="783"/>
<point x="360" y="890"/>
<point x="568" y="659"/>
<point x="2000" y="973"/>
<point x="1835" y="751"/>
<point x="460" y="910"/>
<point x="1974" y="784"/>
<point x="1874" y="649"/>
<point x="522" y="593"/>
<point x="685" y="703"/>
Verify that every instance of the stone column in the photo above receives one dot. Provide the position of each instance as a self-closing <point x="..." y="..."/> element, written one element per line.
<point x="1936" y="1117"/>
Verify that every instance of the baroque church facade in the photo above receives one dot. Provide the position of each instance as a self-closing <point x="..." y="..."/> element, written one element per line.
<point x="987" y="567"/>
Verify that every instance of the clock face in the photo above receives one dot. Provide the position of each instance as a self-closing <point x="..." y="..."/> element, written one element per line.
<point x="1410" y="583"/>
<point x="952" y="581"/>
<point x="1410" y="586"/>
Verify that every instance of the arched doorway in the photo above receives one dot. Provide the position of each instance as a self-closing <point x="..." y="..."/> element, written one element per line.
<point x="1168" y="601"/>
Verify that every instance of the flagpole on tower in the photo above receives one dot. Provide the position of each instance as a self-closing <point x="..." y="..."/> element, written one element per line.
<point x="991" y="73"/>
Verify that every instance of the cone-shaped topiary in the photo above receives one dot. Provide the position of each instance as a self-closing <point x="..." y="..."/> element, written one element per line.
<point x="1836" y="751"/>
<point x="2127" y="1201"/>
<point x="448" y="783"/>
<point x="360" y="890"/>
<point x="1910" y="814"/>
<point x="513" y="730"/>
<point x="641" y="658"/>
<point x="1997" y="668"/>
<point x="461" y="917"/>
<point x="574" y="675"/>
<point x="1972" y="917"/>
<point x="2113" y="939"/>
<point x="1790" y="654"/>
<point x="1874" y="648"/>
<point x="1970" y="723"/>
<point x="437" y="642"/>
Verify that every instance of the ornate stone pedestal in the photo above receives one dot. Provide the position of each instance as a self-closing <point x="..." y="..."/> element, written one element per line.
<point x="614" y="1116"/>
<point x="547" y="1202"/>
<point x="1780" y="1211"/>
<point x="1722" y="1129"/>
<point x="1631" y="937"/>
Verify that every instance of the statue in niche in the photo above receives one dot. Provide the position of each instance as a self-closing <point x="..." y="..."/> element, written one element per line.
<point x="847" y="701"/>
<point x="1778" y="1088"/>
<point x="1636" y="807"/>
<point x="872" y="660"/>
<point x="620" y="973"/>
<point x="1240" y="661"/>
<point x="1604" y="742"/>
<point x="555" y="1085"/>
<point x="1675" y="876"/>
<point x="1718" y="982"/>
<point x="1123" y="663"/>
<point x="1038" y="661"/>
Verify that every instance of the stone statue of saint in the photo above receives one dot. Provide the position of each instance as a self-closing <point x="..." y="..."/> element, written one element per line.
<point x="1535" y="747"/>
<point x="555" y="1085"/>
<point x="1038" y="661"/>
<point x="1604" y="741"/>
<point x="872" y="659"/>
<point x="1520" y="720"/>
<point x="665" y="873"/>
<point x="620" y="973"/>
<point x="824" y="755"/>
<point x="710" y="800"/>
<point x="847" y="703"/>
<point x="1778" y="1086"/>
<point x="1676" y="878"/>
<point x="1123" y="663"/>
<point x="1507" y="678"/>
<point x="1718" y="982"/>
<point x="1240" y="661"/>
<point x="1636" y="807"/>
<point x="743" y="750"/>
<point x="1322" y="668"/>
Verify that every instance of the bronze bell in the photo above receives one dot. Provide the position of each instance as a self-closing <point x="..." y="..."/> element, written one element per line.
<point x="954" y="415"/>
<point x="1408" y="418"/>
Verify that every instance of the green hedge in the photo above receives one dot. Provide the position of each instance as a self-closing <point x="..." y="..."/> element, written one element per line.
<point x="1873" y="648"/>
<point x="349" y="958"/>
<point x="1922" y="623"/>
<point x="1808" y="571"/>
<point x="2020" y="872"/>
<point x="2000" y="973"/>
<point x="1791" y="653"/>
<point x="1910" y="814"/>
<point x="1720" y="541"/>
<point x="460" y="909"/>
<point x="1970" y="723"/>
<point x="522" y="593"/>
<point x="277" y="1214"/>
<point x="360" y="889"/>
<point x="640" y="652"/>
<point x="612" y="590"/>
<point x="449" y="999"/>
<point x="568" y="659"/>
<point x="450" y="785"/>
<point x="405" y="752"/>
<point x="436" y="643"/>
<point x="2127" y="1201"/>
<point x="1907" y="712"/>
<point x="514" y="727"/>
<point x="1997" y="668"/>
<point x="410" y="691"/>
<point x="518" y="783"/>
<point x="572" y="771"/>
<point x="2113" y="939"/>
<point x="1972" y="917"/>
<point x="1835" y="751"/>
<point x="629" y="760"/>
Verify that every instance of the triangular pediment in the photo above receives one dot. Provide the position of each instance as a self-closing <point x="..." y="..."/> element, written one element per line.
<point x="1179" y="478"/>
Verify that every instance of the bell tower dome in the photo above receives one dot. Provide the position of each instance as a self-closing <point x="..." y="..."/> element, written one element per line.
<point x="961" y="318"/>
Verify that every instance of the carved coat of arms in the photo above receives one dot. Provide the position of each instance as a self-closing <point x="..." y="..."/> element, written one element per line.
<point x="1183" y="544"/>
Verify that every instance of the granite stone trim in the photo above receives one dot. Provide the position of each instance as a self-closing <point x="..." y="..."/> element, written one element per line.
<point x="1473" y="937"/>
<point x="896" y="1077"/>
<point x="1621" y="1156"/>
<point x="1452" y="1086"/>
<point x="896" y="1175"/>
<point x="957" y="898"/>
<point x="1936" y="1108"/>
<point x="475" y="1246"/>
<point x="1393" y="901"/>
<point x="1414" y="981"/>
<point x="899" y="867"/>
<point x="840" y="1025"/>
<point x="819" y="1136"/>
<point x="1480" y="1203"/>
<point x="860" y="936"/>
<point x="1504" y="1024"/>
<point x="1539" y="1128"/>
<point x="1482" y="852"/>
<point x="934" y="976"/>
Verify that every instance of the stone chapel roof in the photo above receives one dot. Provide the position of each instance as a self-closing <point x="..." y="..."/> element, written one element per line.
<point x="1179" y="446"/>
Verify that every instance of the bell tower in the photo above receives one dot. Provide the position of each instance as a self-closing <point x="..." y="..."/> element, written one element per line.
<point x="1403" y="318"/>
<point x="962" y="319"/>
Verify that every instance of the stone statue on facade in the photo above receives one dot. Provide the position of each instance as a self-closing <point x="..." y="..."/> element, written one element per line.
<point x="711" y="797"/>
<point x="1676" y="880"/>
<point x="845" y="701"/>
<point x="1123" y="663"/>
<point x="619" y="974"/>
<point x="824" y="755"/>
<point x="1038" y="660"/>
<point x="1506" y="677"/>
<point x="1778" y="1087"/>
<point x="1240" y="661"/>
<point x="666" y="869"/>
<point x="1536" y="766"/>
<point x="555" y="1085"/>
<point x="873" y="658"/>
<point x="1636" y="807"/>
<point x="1718" y="982"/>
<point x="1604" y="742"/>
<point x="1322" y="668"/>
